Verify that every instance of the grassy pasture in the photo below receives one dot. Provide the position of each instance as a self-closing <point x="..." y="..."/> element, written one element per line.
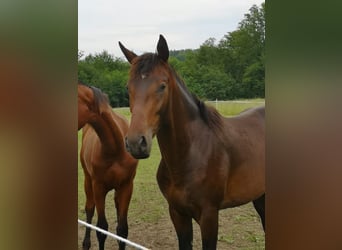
<point x="148" y="218"/>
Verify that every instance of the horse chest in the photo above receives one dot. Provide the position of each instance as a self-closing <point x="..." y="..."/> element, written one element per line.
<point x="183" y="198"/>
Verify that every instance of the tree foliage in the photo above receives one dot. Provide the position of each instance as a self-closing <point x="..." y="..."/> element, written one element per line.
<point x="231" y="68"/>
<point x="108" y="73"/>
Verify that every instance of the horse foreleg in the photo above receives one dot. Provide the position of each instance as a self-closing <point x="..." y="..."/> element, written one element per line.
<point x="89" y="209"/>
<point x="259" y="205"/>
<point x="183" y="226"/>
<point x="209" y="228"/>
<point x="100" y="195"/>
<point x="122" y="200"/>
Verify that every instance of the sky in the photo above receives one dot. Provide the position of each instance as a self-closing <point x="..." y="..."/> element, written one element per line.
<point x="185" y="24"/>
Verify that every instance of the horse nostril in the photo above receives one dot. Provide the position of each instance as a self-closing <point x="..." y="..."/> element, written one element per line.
<point x="142" y="141"/>
<point x="126" y="143"/>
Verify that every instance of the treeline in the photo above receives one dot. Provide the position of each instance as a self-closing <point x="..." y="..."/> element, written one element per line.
<point x="232" y="68"/>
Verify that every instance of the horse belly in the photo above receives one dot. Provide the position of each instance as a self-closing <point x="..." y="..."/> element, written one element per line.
<point x="244" y="186"/>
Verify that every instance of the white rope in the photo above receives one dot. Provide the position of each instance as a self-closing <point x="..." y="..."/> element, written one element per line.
<point x="113" y="235"/>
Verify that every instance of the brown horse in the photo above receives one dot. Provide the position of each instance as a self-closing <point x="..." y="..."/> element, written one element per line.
<point x="208" y="162"/>
<point x="106" y="163"/>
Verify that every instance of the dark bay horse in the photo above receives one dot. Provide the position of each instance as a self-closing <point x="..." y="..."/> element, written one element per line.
<point x="208" y="162"/>
<point x="106" y="163"/>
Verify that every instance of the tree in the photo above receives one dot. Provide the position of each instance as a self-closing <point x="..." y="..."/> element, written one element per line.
<point x="108" y="73"/>
<point x="244" y="51"/>
<point x="80" y="54"/>
<point x="208" y="53"/>
<point x="253" y="80"/>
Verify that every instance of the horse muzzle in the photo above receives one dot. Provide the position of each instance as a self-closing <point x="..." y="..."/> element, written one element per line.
<point x="138" y="146"/>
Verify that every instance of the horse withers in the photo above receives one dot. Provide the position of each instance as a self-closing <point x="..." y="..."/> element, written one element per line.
<point x="208" y="162"/>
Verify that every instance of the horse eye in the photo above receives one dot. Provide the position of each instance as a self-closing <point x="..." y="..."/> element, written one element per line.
<point x="162" y="87"/>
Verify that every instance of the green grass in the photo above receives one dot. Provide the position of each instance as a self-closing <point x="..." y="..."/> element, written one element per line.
<point x="148" y="206"/>
<point x="123" y="111"/>
<point x="226" y="238"/>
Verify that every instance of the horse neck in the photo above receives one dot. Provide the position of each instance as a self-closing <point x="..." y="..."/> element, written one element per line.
<point x="108" y="131"/>
<point x="175" y="133"/>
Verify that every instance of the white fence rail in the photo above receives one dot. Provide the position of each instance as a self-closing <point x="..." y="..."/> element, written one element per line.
<point x="216" y="102"/>
<point x="128" y="242"/>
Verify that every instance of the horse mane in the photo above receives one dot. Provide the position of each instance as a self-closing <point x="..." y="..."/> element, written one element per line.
<point x="208" y="114"/>
<point x="148" y="61"/>
<point x="100" y="98"/>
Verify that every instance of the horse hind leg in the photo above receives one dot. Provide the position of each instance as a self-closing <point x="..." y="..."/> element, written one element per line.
<point x="259" y="205"/>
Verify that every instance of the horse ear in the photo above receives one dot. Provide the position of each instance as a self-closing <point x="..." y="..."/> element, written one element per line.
<point x="128" y="54"/>
<point x="162" y="49"/>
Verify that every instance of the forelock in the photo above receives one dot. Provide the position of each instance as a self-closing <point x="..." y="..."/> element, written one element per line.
<point x="144" y="64"/>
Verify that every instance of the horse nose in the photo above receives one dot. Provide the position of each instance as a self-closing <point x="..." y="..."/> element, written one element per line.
<point x="137" y="147"/>
<point x="142" y="142"/>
